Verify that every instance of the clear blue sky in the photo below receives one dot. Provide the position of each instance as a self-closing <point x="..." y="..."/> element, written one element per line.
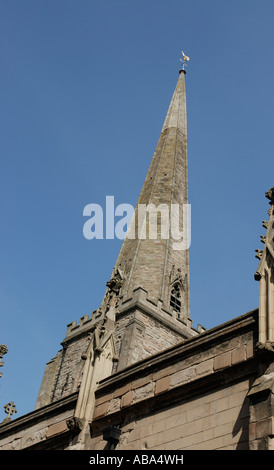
<point x="85" y="87"/>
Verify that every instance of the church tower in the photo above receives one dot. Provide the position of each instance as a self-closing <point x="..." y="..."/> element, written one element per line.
<point x="128" y="376"/>
<point x="145" y="309"/>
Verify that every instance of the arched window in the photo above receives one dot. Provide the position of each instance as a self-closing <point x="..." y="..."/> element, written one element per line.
<point x="175" y="298"/>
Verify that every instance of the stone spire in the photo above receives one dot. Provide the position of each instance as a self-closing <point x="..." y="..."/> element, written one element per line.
<point x="158" y="261"/>
<point x="145" y="309"/>
<point x="147" y="297"/>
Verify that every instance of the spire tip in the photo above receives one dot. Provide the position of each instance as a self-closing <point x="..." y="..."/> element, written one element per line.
<point x="184" y="60"/>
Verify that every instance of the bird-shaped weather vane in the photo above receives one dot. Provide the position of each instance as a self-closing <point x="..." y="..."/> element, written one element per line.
<point x="184" y="60"/>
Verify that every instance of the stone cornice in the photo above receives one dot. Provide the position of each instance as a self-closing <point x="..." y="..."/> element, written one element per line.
<point x="188" y="347"/>
<point x="43" y="413"/>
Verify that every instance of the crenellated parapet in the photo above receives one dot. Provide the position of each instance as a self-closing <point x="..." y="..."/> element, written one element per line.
<point x="108" y="309"/>
<point x="85" y="323"/>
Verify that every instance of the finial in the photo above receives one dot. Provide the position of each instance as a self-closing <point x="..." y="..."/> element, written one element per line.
<point x="10" y="409"/>
<point x="184" y="60"/>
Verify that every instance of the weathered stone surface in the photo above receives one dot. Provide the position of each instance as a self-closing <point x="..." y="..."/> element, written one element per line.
<point x="210" y="410"/>
<point x="56" y="429"/>
<point x="162" y="385"/>
<point x="127" y="399"/>
<point x="192" y="424"/>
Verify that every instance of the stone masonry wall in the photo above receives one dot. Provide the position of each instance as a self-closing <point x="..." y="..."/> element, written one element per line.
<point x="217" y="420"/>
<point x="139" y="336"/>
<point x="63" y="374"/>
<point x="205" y="389"/>
<point x="69" y="376"/>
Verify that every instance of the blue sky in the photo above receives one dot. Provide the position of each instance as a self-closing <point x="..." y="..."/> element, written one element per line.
<point x="85" y="87"/>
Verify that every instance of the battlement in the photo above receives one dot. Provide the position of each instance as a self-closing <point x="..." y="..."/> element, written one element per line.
<point x="182" y="324"/>
<point x="86" y="323"/>
<point x="140" y="299"/>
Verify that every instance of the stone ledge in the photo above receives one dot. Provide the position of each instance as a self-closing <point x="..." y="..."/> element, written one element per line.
<point x="209" y="358"/>
<point x="57" y="428"/>
<point x="168" y="360"/>
<point x="157" y="394"/>
<point x="44" y="413"/>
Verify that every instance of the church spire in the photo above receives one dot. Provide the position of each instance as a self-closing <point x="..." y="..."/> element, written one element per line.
<point x="151" y="256"/>
<point x="145" y="309"/>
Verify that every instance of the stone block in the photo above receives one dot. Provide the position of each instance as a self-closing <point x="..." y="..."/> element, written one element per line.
<point x="249" y="350"/>
<point x="262" y="410"/>
<point x="264" y="428"/>
<point x="197" y="412"/>
<point x="142" y="381"/>
<point x="182" y="377"/>
<point x="164" y="372"/>
<point x="223" y="429"/>
<point x="238" y="355"/>
<point x="211" y="444"/>
<point x="224" y="417"/>
<point x="57" y="428"/>
<point x="144" y="392"/>
<point x="218" y="405"/>
<point x="204" y="368"/>
<point x="127" y="399"/>
<point x="104" y="398"/>
<point x="252" y="431"/>
<point x="205" y="423"/>
<point x="162" y="385"/>
<point x="207" y="434"/>
<point x="34" y="437"/>
<point x="114" y="405"/>
<point x="101" y="410"/>
<point x="236" y="399"/>
<point x="223" y="360"/>
<point x="122" y="390"/>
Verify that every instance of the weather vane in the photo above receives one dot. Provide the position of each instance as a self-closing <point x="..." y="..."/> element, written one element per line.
<point x="184" y="60"/>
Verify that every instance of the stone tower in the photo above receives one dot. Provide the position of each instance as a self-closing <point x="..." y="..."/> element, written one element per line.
<point x="145" y="309"/>
<point x="136" y="375"/>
